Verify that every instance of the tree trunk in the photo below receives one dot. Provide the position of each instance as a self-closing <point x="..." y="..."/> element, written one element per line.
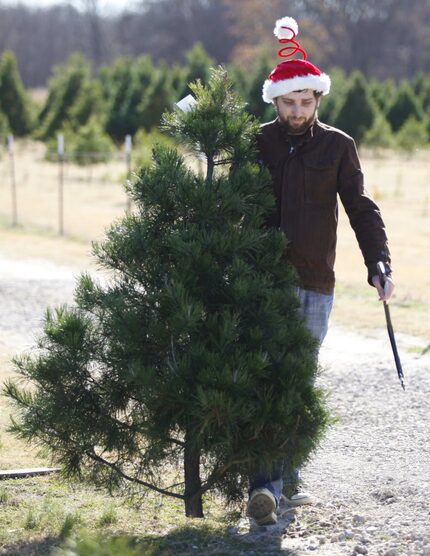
<point x="193" y="502"/>
<point x="210" y="169"/>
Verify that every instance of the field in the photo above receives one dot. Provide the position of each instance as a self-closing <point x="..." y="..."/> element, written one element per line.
<point x="35" y="512"/>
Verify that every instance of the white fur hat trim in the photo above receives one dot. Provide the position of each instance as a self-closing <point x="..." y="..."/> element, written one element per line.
<point x="319" y="83"/>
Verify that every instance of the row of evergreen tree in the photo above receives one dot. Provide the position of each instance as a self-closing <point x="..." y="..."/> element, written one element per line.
<point x="131" y="95"/>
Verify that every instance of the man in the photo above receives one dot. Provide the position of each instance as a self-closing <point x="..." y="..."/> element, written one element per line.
<point x="311" y="165"/>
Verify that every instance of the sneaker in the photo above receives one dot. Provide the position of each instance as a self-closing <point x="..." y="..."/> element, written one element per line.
<point x="262" y="506"/>
<point x="297" y="498"/>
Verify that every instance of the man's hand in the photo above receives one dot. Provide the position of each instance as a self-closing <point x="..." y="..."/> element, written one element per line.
<point x="384" y="292"/>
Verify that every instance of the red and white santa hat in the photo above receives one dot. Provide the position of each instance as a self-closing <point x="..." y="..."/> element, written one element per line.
<point x="292" y="75"/>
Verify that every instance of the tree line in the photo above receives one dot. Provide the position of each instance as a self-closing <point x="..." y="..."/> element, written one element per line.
<point x="384" y="39"/>
<point x="129" y="96"/>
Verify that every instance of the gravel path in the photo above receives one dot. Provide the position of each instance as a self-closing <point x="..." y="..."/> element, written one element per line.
<point x="371" y="476"/>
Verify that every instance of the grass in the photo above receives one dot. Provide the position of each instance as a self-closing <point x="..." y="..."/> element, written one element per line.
<point x="44" y="509"/>
<point x="402" y="185"/>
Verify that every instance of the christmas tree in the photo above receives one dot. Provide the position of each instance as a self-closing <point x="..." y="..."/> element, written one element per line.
<point x="193" y="359"/>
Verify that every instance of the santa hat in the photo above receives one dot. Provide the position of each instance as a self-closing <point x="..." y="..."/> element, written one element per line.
<point x="292" y="75"/>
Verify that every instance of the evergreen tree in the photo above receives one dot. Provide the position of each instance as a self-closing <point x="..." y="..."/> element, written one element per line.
<point x="412" y="135"/>
<point x="380" y="135"/>
<point x="178" y="76"/>
<point x="158" y="97"/>
<point x="70" y="81"/>
<point x="14" y="102"/>
<point x="197" y="66"/>
<point x="143" y="143"/>
<point x="406" y="105"/>
<point x="240" y="78"/>
<point x="125" y="85"/>
<point x="331" y="104"/>
<point x="358" y="111"/>
<point x="88" y="105"/>
<point x="90" y="145"/>
<point x="256" y="105"/>
<point x="196" y="349"/>
<point x="421" y="88"/>
<point x="383" y="93"/>
<point x="4" y="127"/>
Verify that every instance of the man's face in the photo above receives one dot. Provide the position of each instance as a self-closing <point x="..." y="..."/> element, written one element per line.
<point x="297" y="110"/>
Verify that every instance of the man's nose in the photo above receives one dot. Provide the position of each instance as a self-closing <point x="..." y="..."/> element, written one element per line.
<point x="297" y="111"/>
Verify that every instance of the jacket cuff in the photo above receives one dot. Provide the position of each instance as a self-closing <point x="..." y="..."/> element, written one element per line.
<point x="372" y="270"/>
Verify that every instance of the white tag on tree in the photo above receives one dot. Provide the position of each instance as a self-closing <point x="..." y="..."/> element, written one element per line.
<point x="186" y="103"/>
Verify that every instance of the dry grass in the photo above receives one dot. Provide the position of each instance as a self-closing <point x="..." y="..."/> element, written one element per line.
<point x="93" y="196"/>
<point x="400" y="187"/>
<point x="14" y="454"/>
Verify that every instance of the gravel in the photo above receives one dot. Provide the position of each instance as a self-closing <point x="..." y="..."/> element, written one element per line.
<point x="371" y="475"/>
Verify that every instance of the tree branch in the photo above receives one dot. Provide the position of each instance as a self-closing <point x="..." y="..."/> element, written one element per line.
<point x="215" y="475"/>
<point x="95" y="457"/>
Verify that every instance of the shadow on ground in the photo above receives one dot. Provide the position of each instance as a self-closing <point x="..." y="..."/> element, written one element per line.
<point x="186" y="541"/>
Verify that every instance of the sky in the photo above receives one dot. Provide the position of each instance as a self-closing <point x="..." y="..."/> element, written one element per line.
<point x="111" y="5"/>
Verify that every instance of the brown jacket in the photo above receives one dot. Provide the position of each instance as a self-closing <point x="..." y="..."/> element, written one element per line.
<point x="307" y="177"/>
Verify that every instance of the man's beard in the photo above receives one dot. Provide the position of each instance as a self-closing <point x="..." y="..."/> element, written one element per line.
<point x="298" y="129"/>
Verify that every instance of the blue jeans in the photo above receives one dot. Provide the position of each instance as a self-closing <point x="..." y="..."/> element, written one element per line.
<point x="315" y="309"/>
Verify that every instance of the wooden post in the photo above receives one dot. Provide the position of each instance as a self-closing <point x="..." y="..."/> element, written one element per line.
<point x="12" y="179"/>
<point x="60" y="152"/>
<point x="128" y="148"/>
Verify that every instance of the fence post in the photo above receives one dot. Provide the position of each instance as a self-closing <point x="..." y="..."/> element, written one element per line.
<point x="12" y="179"/>
<point x="128" y="148"/>
<point x="60" y="152"/>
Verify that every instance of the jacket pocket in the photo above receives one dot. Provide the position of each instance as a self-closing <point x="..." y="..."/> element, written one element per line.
<point x="320" y="181"/>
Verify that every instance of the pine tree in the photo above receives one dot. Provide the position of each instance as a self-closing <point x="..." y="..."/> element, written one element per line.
<point x="14" y="102"/>
<point x="380" y="134"/>
<point x="4" y="127"/>
<point x="66" y="87"/>
<point x="332" y="103"/>
<point x="88" y="105"/>
<point x="383" y="93"/>
<point x="358" y="110"/>
<point x="197" y="66"/>
<point x="256" y="105"/>
<point x="90" y="145"/>
<point x="412" y="135"/>
<point x="195" y="351"/>
<point x="421" y="88"/>
<point x="125" y="85"/>
<point x="405" y="106"/>
<point x="159" y="96"/>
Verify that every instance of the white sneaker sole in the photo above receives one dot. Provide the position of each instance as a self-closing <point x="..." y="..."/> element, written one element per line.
<point x="300" y="499"/>
<point x="261" y="504"/>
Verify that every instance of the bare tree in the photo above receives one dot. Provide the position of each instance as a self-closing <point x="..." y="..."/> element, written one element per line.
<point x="96" y="39"/>
<point x="387" y="38"/>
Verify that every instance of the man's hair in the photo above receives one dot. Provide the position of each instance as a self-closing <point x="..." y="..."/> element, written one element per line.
<point x="317" y="94"/>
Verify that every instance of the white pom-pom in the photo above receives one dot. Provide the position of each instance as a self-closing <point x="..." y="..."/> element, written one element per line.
<point x="286" y="33"/>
